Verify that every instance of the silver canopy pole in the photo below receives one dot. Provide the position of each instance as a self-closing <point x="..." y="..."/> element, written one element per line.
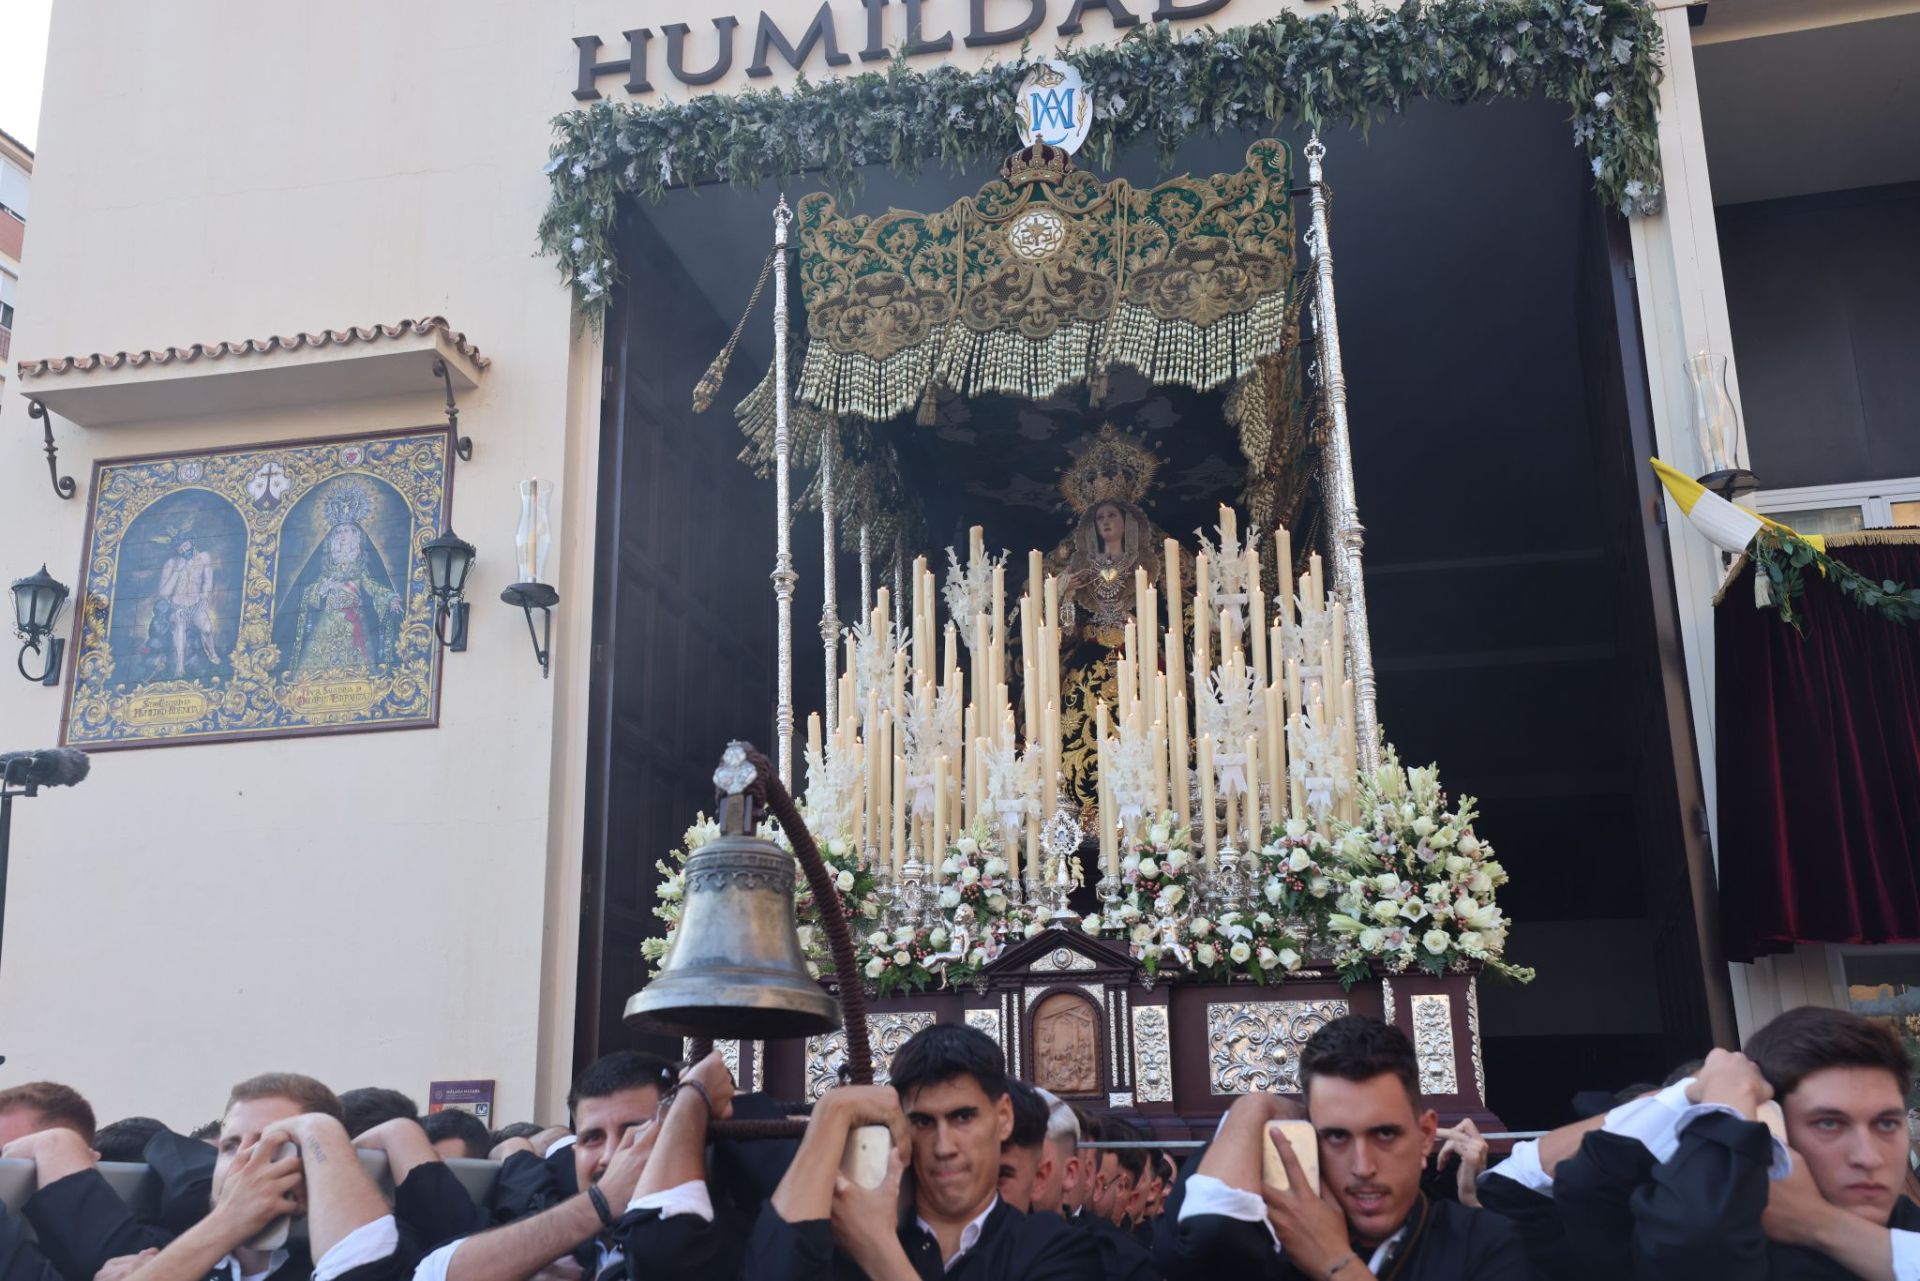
<point x="783" y="575"/>
<point x="829" y="581"/>
<point x="1346" y="533"/>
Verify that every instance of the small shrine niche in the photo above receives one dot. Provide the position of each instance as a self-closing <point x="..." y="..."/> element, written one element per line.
<point x="1064" y="1031"/>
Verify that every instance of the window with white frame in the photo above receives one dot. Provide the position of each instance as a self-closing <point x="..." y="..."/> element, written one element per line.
<point x="1841" y="509"/>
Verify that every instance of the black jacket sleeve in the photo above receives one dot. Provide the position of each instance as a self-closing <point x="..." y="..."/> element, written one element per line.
<point x="185" y="1167"/>
<point x="1591" y="1190"/>
<point x="1699" y="1213"/>
<point x="431" y="1208"/>
<point x="527" y="1185"/>
<point x="20" y="1259"/>
<point x="1533" y="1218"/>
<point x="782" y="1251"/>
<point x="1208" y="1247"/>
<point x="82" y="1222"/>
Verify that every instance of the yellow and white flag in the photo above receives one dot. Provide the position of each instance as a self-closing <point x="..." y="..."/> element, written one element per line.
<point x="1726" y="525"/>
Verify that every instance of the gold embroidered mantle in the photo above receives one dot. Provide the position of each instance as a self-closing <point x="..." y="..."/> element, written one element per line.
<point x="1045" y="278"/>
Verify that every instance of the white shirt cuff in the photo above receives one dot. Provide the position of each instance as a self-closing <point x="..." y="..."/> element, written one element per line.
<point x="1652" y="1120"/>
<point x="1906" y="1255"/>
<point x="688" y="1198"/>
<point x="368" y="1243"/>
<point x="564" y="1141"/>
<point x="1209" y="1195"/>
<point x="1523" y="1167"/>
<point x="434" y="1266"/>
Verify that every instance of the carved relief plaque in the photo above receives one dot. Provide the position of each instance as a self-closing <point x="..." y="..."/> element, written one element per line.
<point x="1066" y="1045"/>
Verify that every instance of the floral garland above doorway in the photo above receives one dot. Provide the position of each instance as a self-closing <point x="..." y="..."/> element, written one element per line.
<point x="1348" y="66"/>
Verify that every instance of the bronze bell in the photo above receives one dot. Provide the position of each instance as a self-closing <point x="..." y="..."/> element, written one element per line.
<point x="736" y="969"/>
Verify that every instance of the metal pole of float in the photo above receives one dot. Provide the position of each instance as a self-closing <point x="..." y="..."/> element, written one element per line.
<point x="829" y="579"/>
<point x="783" y="575"/>
<point x="1348" y="535"/>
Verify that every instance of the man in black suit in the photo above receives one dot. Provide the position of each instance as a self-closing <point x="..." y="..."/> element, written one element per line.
<point x="1732" y="1201"/>
<point x="1370" y="1219"/>
<point x="948" y="1107"/>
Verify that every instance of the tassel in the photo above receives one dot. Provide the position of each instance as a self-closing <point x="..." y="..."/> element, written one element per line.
<point x="1762" y="588"/>
<point x="929" y="413"/>
<point x="709" y="385"/>
<point x="1096" y="387"/>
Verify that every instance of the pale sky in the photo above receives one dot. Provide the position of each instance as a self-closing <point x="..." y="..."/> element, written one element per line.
<point x="23" y="56"/>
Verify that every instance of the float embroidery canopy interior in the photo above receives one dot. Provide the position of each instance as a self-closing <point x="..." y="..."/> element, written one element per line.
<point x="1044" y="279"/>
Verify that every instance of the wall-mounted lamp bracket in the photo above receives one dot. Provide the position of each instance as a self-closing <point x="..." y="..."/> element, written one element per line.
<point x="63" y="486"/>
<point x="462" y="445"/>
<point x="529" y="597"/>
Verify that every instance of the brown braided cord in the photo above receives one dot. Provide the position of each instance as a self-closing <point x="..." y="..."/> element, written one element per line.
<point x="773" y="796"/>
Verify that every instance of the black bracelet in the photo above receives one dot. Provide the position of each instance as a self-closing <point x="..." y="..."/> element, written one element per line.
<point x="699" y="1089"/>
<point x="1351" y="1258"/>
<point x="600" y="1206"/>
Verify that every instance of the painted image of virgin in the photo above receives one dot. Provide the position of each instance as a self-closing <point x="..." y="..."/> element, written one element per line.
<point x="342" y="614"/>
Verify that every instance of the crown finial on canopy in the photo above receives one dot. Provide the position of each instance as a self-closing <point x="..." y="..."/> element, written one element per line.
<point x="1109" y="466"/>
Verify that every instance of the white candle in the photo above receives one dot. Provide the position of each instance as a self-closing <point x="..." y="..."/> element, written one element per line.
<point x="1206" y="802"/>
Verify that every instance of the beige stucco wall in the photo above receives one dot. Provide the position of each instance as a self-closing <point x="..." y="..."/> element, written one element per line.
<point x="386" y="908"/>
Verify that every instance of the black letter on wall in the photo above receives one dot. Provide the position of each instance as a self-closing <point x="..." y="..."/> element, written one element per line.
<point x="978" y="34"/>
<point x="634" y="64"/>
<point x="677" y="52"/>
<point x="819" y="31"/>
<point x="1115" y="10"/>
<point x="876" y="50"/>
<point x="916" y="45"/>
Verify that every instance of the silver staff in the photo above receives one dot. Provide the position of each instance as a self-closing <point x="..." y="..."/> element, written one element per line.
<point x="783" y="575"/>
<point x="829" y="581"/>
<point x="1347" y="534"/>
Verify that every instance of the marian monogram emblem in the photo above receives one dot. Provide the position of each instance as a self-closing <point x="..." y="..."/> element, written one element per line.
<point x="1054" y="107"/>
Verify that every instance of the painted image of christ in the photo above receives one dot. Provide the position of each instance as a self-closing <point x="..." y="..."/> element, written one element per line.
<point x="342" y="613"/>
<point x="176" y="596"/>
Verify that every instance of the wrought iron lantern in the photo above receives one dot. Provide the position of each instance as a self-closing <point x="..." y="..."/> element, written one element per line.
<point x="736" y="969"/>
<point x="449" y="560"/>
<point x="37" y="600"/>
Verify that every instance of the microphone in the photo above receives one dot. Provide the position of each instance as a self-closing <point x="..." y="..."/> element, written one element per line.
<point x="47" y="767"/>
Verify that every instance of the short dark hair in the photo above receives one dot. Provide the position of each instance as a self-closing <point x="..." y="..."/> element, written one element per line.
<point x="1359" y="1048"/>
<point x="1115" y="1129"/>
<point x="944" y="1051"/>
<point x="1029" y="1116"/>
<point x="61" y="1107"/>
<point x="371" y="1105"/>
<point x="518" y="1130"/>
<point x="305" y="1092"/>
<point x="208" y="1133"/>
<point x="126" y="1139"/>
<point x="621" y="1070"/>
<point x="1809" y="1039"/>
<point x="454" y="1123"/>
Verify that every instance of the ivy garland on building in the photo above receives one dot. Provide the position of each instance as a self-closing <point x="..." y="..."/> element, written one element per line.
<point x="1348" y="66"/>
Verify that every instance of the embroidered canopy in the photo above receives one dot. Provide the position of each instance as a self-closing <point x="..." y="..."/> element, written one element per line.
<point x="1045" y="278"/>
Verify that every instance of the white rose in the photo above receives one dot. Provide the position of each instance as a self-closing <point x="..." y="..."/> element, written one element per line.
<point x="1273" y="890"/>
<point x="1033" y="928"/>
<point x="1299" y="860"/>
<point x="1481" y="883"/>
<point x="1289" y="959"/>
<point x="1319" y="886"/>
<point x="967" y="845"/>
<point x="878" y="939"/>
<point x="1264" y="921"/>
<point x="1268" y="958"/>
<point x="902" y="959"/>
<point x="949" y="898"/>
<point x="996" y="866"/>
<point x="876" y="967"/>
<point x="1468" y="843"/>
<point x="1149" y="868"/>
<point x="837" y="847"/>
<point x="1129" y="862"/>
<point x="1173" y="894"/>
<point x="870" y="908"/>
<point x="1142" y="933"/>
<point x="1473" y="943"/>
<point x="1206" y="954"/>
<point x="937" y="939"/>
<point x="996" y="903"/>
<point x="903" y="935"/>
<point x="1176" y="859"/>
<point x="1091" y="924"/>
<point x="1296" y="827"/>
<point x="806" y="936"/>
<point x="1436" y="941"/>
<point x="1128" y="912"/>
<point x="1386" y="882"/>
<point x="1457" y="866"/>
<point x="843" y="882"/>
<point x="1157" y="834"/>
<point x="1370" y="939"/>
<point x="1239" y="952"/>
<point x="969" y="874"/>
<point x="1385" y="911"/>
<point x="1200" y="927"/>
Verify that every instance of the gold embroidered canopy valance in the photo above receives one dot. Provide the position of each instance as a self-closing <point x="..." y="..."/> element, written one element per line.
<point x="1045" y="278"/>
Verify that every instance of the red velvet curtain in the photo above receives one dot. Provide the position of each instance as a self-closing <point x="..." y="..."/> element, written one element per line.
<point x="1819" y="764"/>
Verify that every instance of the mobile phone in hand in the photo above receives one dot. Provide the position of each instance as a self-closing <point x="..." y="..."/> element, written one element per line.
<point x="1306" y="1150"/>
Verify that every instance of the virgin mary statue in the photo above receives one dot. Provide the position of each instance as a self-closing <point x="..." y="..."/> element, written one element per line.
<point x="1095" y="564"/>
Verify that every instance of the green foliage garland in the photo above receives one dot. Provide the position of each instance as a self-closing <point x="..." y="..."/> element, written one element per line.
<point x="1783" y="556"/>
<point x="1157" y="85"/>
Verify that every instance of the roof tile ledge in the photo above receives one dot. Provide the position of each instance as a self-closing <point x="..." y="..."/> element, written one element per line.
<point x="55" y="366"/>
